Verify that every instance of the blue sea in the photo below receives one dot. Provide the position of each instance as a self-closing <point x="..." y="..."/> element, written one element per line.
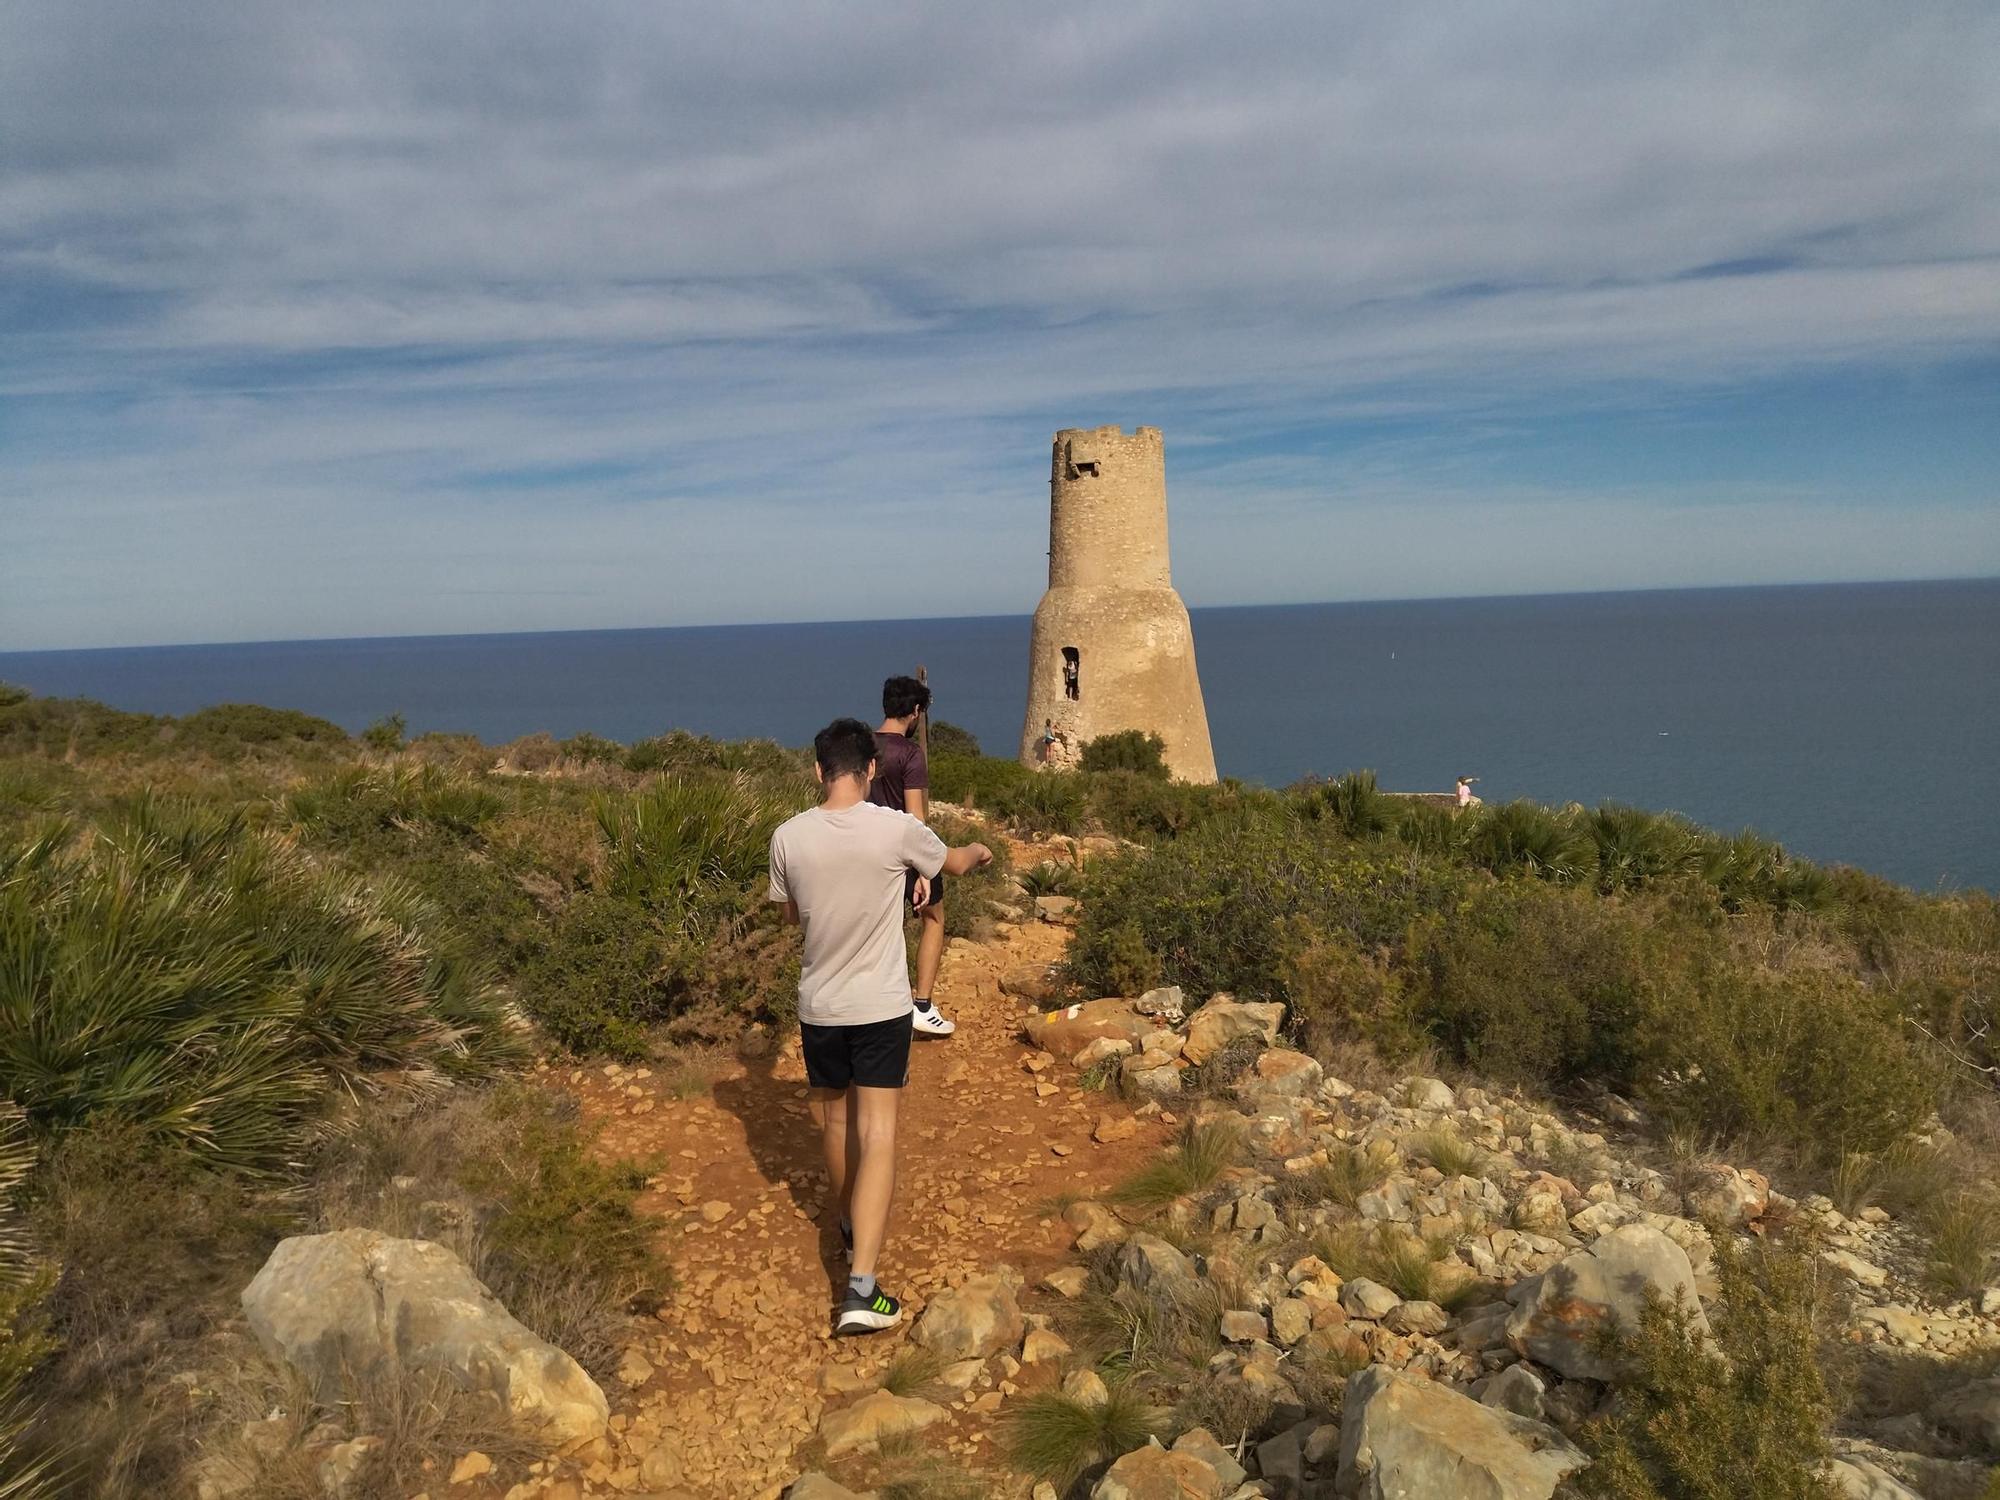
<point x="1854" y="722"/>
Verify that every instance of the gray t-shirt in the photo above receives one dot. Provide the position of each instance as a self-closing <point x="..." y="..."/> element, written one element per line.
<point x="845" y="871"/>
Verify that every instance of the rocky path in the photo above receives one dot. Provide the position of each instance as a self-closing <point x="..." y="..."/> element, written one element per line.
<point x="721" y="1400"/>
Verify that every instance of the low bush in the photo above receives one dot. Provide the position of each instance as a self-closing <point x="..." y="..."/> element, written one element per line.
<point x="210" y="987"/>
<point x="973" y="780"/>
<point x="1041" y="803"/>
<point x="692" y="848"/>
<point x="1744" y="1415"/>
<point x="947" y="738"/>
<point x="358" y="803"/>
<point x="1215" y="906"/>
<point x="1814" y="1059"/>
<point x="1546" y="842"/>
<point x="1537" y="985"/>
<point x="680" y="753"/>
<point x="1132" y="750"/>
<point x="1353" y="803"/>
<point x="228" y="728"/>
<point x="387" y="734"/>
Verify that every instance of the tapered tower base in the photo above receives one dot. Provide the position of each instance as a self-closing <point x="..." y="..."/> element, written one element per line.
<point x="1112" y="648"/>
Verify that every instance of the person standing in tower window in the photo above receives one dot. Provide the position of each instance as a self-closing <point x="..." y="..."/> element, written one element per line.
<point x="1072" y="667"/>
<point x="903" y="782"/>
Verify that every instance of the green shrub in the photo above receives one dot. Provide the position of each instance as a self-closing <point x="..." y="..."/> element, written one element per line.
<point x="1537" y="984"/>
<point x="386" y="734"/>
<point x="1525" y="836"/>
<point x="1050" y="879"/>
<point x="1133" y="750"/>
<point x="974" y="779"/>
<point x="59" y="726"/>
<point x="1338" y="993"/>
<point x="556" y="1206"/>
<point x="1748" y="870"/>
<point x="11" y="694"/>
<point x="1213" y="907"/>
<point x="210" y="986"/>
<point x="1746" y="1415"/>
<point x="1635" y="848"/>
<point x="231" y="727"/>
<point x="681" y="753"/>
<point x="589" y="749"/>
<point x="1352" y="803"/>
<point x="947" y="738"/>
<point x="600" y="980"/>
<point x="690" y="848"/>
<point x="1815" y="1059"/>
<point x="1431" y="829"/>
<point x="1041" y="802"/>
<point x="356" y="804"/>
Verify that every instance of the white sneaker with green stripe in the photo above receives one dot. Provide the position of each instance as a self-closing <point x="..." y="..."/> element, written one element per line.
<point x="859" y="1314"/>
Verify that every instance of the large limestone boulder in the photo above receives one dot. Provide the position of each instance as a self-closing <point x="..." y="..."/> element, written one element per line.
<point x="358" y="1305"/>
<point x="1154" y="1473"/>
<point x="1065" y="1032"/>
<point x="862" y="1426"/>
<point x="972" y="1321"/>
<point x="1557" y="1315"/>
<point x="1224" y="1019"/>
<point x="1402" y="1437"/>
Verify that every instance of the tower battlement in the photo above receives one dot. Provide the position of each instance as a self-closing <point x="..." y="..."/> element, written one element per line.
<point x="1113" y="649"/>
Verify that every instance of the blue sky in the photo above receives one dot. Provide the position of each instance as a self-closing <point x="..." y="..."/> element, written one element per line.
<point x="386" y="319"/>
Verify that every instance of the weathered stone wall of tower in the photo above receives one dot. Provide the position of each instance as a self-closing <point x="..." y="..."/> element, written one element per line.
<point x="1111" y="600"/>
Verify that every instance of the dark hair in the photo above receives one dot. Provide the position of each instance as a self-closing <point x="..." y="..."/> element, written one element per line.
<point x="844" y="748"/>
<point x="903" y="696"/>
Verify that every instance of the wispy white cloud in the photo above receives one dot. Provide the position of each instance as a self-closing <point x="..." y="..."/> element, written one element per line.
<point x="349" y="317"/>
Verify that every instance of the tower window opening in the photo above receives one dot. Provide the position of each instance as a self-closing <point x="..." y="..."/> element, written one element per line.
<point x="1087" y="466"/>
<point x="1072" y="671"/>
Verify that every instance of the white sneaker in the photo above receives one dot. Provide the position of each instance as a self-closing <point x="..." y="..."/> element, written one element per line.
<point x="931" y="1022"/>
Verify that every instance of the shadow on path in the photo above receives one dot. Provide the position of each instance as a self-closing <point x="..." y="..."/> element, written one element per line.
<point x="785" y="1146"/>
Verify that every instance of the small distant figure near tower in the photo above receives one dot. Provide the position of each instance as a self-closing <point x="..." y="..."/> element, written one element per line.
<point x="1464" y="791"/>
<point x="1112" y="647"/>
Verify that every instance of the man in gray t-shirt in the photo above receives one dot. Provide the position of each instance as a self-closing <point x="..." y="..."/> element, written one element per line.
<point x="839" y="871"/>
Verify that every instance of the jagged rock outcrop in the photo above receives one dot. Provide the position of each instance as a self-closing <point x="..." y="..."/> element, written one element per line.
<point x="358" y="1305"/>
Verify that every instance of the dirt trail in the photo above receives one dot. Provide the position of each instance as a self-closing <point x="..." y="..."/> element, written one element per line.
<point x="740" y="1360"/>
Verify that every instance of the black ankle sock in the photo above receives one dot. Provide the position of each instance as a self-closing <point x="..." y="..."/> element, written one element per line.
<point x="923" y="1004"/>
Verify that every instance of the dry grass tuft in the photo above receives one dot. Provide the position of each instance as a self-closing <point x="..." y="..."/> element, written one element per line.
<point x="1057" y="1438"/>
<point x="1202" y="1155"/>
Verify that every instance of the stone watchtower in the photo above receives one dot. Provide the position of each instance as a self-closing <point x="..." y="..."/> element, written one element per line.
<point x="1112" y="647"/>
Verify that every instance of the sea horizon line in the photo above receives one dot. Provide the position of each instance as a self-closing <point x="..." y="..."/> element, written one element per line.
<point x="1798" y="585"/>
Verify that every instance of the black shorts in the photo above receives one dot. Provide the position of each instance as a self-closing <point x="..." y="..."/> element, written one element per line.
<point x="875" y="1055"/>
<point x="910" y="889"/>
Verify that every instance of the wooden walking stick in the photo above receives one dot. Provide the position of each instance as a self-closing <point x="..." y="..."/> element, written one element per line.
<point x="924" y="719"/>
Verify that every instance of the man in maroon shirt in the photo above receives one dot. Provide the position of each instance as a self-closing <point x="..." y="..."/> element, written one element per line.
<point x="903" y="782"/>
